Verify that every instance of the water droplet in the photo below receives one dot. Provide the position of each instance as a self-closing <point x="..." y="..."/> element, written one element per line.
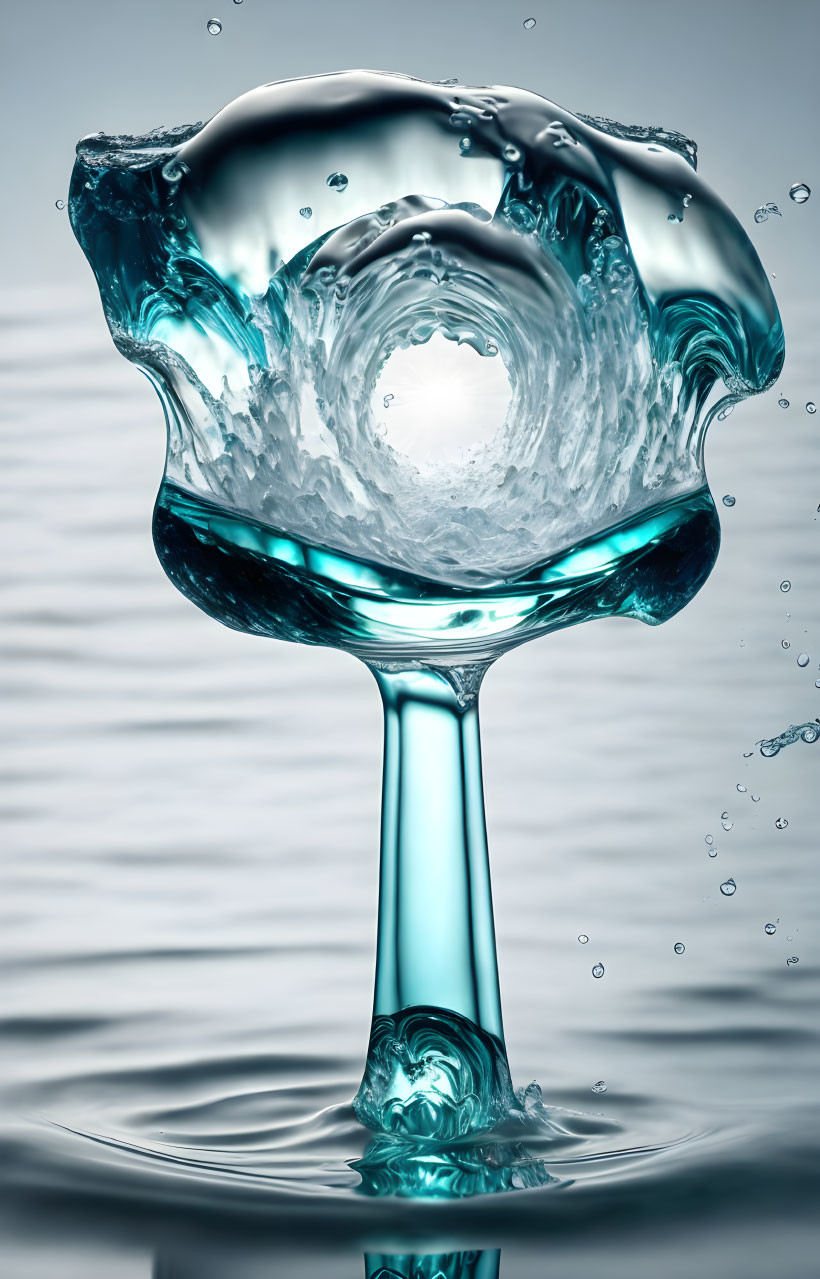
<point x="511" y="154"/>
<point x="388" y="399"/>
<point x="817" y="683"/>
<point x="723" y="816"/>
<point x="785" y="644"/>
<point x="214" y="26"/>
<point x="461" y="120"/>
<point x="306" y="211"/>
<point x="491" y="348"/>
<point x="583" y="939"/>
<point x="710" y="839"/>
<point x="784" y="403"/>
<point x="728" y="888"/>
<point x="465" y="145"/>
<point x="793" y="959"/>
<point x="729" y="500"/>
<point x="237" y="1"/>
<point x="782" y="823"/>
<point x="755" y="799"/>
<point x="679" y="948"/>
<point x="59" y="204"/>
<point x="599" y="1087"/>
<point x="748" y="754"/>
<point x="741" y="788"/>
<point x="673" y="217"/>
<point x="727" y="825"/>
<point x="811" y="407"/>
<point x="766" y="211"/>
<point x="713" y="852"/>
<point x="521" y="216"/>
<point x="803" y="659"/>
<point x="800" y="192"/>
<point x="724" y="413"/>
<point x="529" y="23"/>
<point x="598" y="970"/>
<point x="771" y="929"/>
<point x="687" y="200"/>
<point x="337" y="182"/>
<point x="785" y="586"/>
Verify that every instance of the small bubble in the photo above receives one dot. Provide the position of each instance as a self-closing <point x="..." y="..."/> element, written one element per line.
<point x="59" y="204"/>
<point x="306" y="211"/>
<point x="800" y="192"/>
<point x="793" y="959"/>
<point x="811" y="407"/>
<point x="599" y="1087"/>
<point x="770" y="929"/>
<point x="785" y="644"/>
<point x="529" y="23"/>
<point x="782" y="823"/>
<point x="491" y="348"/>
<point x="766" y="211"/>
<point x="388" y="399"/>
<point x="673" y="217"/>
<point x="729" y="500"/>
<point x="803" y="659"/>
<point x="724" y="413"/>
<point x="511" y="154"/>
<point x="741" y="788"/>
<point x="465" y="144"/>
<point x="583" y="939"/>
<point x="784" y="403"/>
<point x="214" y="26"/>
<point x="337" y="182"/>
<point x="679" y="948"/>
<point x="728" y="888"/>
<point x="598" y="970"/>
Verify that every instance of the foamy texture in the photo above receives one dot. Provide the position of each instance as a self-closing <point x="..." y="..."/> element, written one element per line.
<point x="623" y="298"/>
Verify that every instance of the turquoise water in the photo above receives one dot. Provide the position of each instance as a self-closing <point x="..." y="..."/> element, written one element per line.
<point x="337" y="474"/>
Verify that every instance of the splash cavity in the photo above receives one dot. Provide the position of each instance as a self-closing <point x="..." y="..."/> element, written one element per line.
<point x="436" y="364"/>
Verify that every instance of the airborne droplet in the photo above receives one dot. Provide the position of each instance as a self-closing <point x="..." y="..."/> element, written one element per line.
<point x="679" y="948"/>
<point x="598" y="970"/>
<point x="811" y="407"/>
<point x="785" y="586"/>
<point x="59" y="204"/>
<point x="741" y="788"/>
<point x="729" y="500"/>
<point x="793" y="960"/>
<point x="800" y="192"/>
<point x="599" y="1087"/>
<point x="583" y="939"/>
<point x="214" y="26"/>
<point x="803" y="659"/>
<point x="337" y="182"/>
<point x="729" y="888"/>
<point x="529" y="23"/>
<point x="770" y="929"/>
<point x="306" y="211"/>
<point x="784" y="403"/>
<point x="782" y="823"/>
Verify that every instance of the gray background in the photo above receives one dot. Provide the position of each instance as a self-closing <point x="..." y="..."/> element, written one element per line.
<point x="191" y="815"/>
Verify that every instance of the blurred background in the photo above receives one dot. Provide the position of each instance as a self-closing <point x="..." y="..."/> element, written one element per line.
<point x="189" y="868"/>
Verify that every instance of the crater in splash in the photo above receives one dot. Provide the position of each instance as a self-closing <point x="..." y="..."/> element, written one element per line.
<point x="603" y="334"/>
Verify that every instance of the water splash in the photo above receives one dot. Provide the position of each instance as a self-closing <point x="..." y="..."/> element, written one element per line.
<point x="810" y="733"/>
<point x="556" y="348"/>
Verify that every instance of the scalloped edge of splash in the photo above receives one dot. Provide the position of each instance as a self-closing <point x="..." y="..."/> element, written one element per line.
<point x="669" y="138"/>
